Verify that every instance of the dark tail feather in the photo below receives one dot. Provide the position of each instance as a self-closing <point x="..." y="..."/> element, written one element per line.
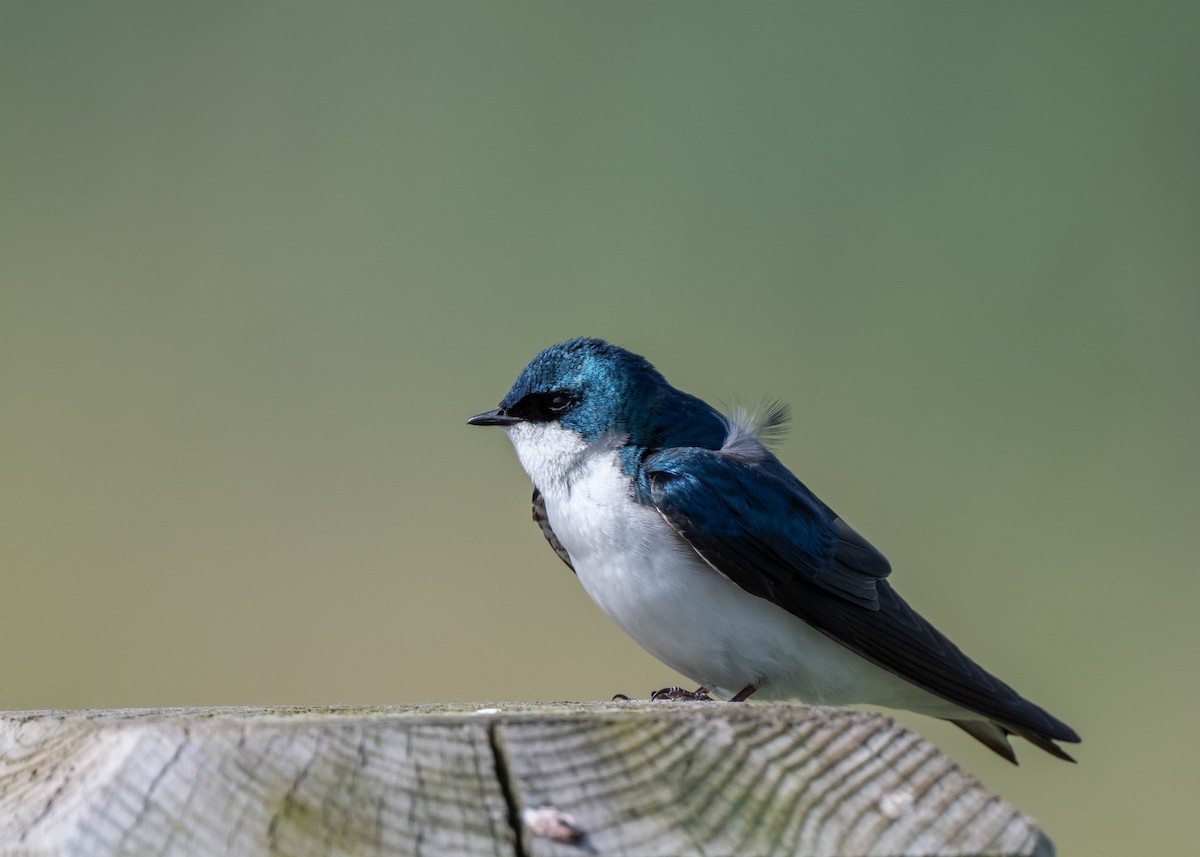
<point x="995" y="737"/>
<point x="1046" y="744"/>
<point x="990" y="735"/>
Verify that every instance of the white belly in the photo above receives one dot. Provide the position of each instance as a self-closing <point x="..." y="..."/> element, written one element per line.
<point x="672" y="603"/>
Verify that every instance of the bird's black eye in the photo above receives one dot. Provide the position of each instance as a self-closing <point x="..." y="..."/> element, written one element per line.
<point x="543" y="407"/>
<point x="559" y="402"/>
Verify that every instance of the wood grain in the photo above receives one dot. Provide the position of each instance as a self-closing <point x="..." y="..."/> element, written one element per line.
<point x="646" y="779"/>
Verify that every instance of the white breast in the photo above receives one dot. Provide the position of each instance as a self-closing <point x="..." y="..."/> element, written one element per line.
<point x="649" y="581"/>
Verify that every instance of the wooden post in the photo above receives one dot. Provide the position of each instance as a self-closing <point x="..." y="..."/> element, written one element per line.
<point x="555" y="780"/>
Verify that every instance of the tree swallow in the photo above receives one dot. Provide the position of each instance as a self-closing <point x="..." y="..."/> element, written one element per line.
<point x="693" y="537"/>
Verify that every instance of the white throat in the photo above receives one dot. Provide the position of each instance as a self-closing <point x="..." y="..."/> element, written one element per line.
<point x="554" y="456"/>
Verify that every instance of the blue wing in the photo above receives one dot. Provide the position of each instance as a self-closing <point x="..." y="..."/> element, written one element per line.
<point x="758" y="525"/>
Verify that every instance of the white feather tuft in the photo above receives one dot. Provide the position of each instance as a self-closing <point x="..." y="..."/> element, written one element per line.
<point x="751" y="430"/>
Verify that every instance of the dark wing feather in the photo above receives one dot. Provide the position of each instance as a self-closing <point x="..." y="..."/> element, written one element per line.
<point x="539" y="517"/>
<point x="758" y="525"/>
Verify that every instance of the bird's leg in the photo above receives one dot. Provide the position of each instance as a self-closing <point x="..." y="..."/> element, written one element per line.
<point x="743" y="694"/>
<point x="678" y="694"/>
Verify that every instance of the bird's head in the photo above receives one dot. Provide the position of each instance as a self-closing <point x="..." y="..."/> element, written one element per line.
<point x="577" y="393"/>
<point x="585" y="385"/>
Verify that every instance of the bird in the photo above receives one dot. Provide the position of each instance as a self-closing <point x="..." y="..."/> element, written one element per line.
<point x="691" y="535"/>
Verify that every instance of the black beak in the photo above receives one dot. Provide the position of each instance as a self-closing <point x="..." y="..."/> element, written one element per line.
<point x="493" y="418"/>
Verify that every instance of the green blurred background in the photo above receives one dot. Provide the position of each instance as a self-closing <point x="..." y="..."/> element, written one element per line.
<point x="259" y="262"/>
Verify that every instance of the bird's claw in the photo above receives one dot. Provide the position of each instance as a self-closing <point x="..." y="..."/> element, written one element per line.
<point x="678" y="694"/>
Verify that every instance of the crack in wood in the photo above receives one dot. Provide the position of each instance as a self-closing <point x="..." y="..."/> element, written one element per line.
<point x="507" y="789"/>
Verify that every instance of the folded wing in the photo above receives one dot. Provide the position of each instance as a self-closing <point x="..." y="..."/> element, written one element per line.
<point x="759" y="526"/>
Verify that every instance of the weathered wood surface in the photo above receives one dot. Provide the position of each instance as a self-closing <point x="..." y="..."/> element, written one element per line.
<point x="643" y="779"/>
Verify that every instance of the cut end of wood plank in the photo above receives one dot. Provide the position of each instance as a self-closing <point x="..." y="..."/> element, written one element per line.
<point x="516" y="779"/>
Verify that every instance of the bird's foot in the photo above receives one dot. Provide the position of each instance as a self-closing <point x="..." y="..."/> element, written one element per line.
<point x="678" y="694"/>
